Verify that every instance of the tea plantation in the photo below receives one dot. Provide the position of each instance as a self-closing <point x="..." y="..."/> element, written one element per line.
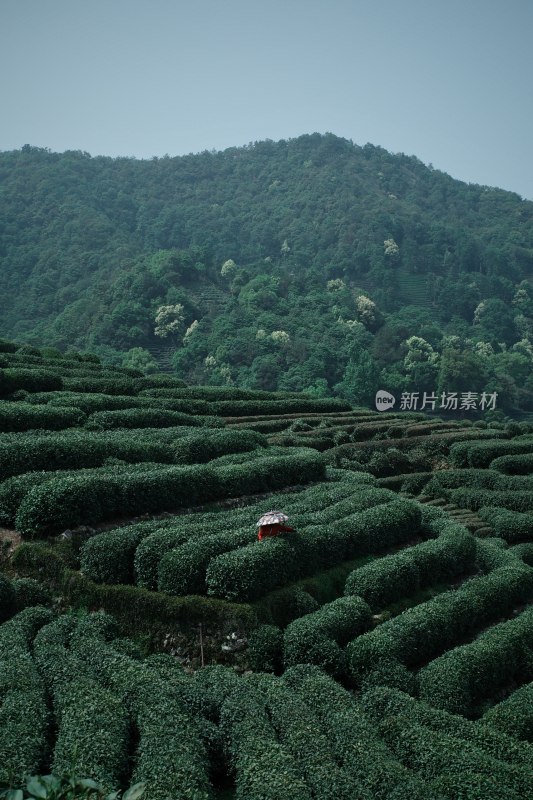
<point x="383" y="649"/>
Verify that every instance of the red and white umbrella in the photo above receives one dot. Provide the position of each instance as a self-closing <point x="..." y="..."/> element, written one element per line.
<point x="272" y="518"/>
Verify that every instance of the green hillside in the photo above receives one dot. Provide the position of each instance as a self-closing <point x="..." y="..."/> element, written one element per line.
<point x="290" y="265"/>
<point x="381" y="648"/>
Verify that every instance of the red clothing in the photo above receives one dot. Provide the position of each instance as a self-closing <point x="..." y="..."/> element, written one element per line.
<point x="272" y="530"/>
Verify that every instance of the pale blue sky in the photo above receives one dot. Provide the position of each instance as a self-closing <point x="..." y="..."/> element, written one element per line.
<point x="450" y="81"/>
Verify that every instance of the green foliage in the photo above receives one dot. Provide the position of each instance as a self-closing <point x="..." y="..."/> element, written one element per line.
<point x="514" y="464"/>
<point x="21" y="416"/>
<point x="264" y="767"/>
<point x="13" y="380"/>
<point x="426" y="630"/>
<point x="450" y="763"/>
<point x="183" y="570"/>
<point x="301" y="733"/>
<point x="512" y="526"/>
<point x="24" y="715"/>
<point x="7" y="598"/>
<point x="202" y="447"/>
<point x="265" y="649"/>
<point x="71" y="500"/>
<point x="476" y="498"/>
<point x="381" y="703"/>
<point x="82" y="449"/>
<point x="388" y="579"/>
<point x="52" y="787"/>
<point x="252" y="571"/>
<point x="318" y="638"/>
<point x="140" y="418"/>
<point x="513" y="716"/>
<point x="29" y="592"/>
<point x="481" y="454"/>
<point x="93" y="728"/>
<point x="501" y="654"/>
<point x="354" y="741"/>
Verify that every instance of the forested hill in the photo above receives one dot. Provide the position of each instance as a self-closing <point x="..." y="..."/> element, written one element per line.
<point x="306" y="264"/>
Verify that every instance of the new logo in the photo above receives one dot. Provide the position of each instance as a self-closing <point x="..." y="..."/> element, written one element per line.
<point x="384" y="400"/>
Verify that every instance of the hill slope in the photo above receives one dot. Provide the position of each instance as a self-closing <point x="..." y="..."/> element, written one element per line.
<point x="91" y="248"/>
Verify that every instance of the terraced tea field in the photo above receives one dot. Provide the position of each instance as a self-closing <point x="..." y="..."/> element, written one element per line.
<point x="384" y="649"/>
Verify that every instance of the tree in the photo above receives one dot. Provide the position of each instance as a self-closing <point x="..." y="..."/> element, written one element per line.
<point x="139" y="358"/>
<point x="168" y="320"/>
<point x="360" y="381"/>
<point x="495" y="322"/>
<point x="421" y="363"/>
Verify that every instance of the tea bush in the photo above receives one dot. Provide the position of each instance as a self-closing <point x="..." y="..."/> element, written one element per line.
<point x="24" y="715"/>
<point x="392" y="577"/>
<point x="380" y="703"/>
<point x="514" y="715"/>
<point x="501" y="654"/>
<point x="426" y="630"/>
<point x="512" y="526"/>
<point x="481" y="454"/>
<point x="56" y="452"/>
<point x="264" y="768"/>
<point x="318" y="638"/>
<point x="183" y="570"/>
<point x="18" y="416"/>
<point x="254" y="570"/>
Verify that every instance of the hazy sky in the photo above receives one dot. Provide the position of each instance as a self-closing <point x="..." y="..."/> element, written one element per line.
<point x="450" y="81"/>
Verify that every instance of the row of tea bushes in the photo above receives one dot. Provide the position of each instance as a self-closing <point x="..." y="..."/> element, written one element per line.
<point x="299" y="730"/>
<point x="384" y="702"/>
<point x="91" y="498"/>
<point x="319" y="638"/>
<point x="474" y="499"/>
<point x="503" y="654"/>
<point x="171" y="756"/>
<point x="96" y="401"/>
<point x="513" y="716"/>
<point x="217" y="393"/>
<point x="353" y="739"/>
<point x="143" y="418"/>
<point x="451" y="768"/>
<point x="110" y="556"/>
<point x="514" y="465"/>
<point x="16" y="379"/>
<point x="14" y="491"/>
<point x="93" y="730"/>
<point x="21" y="416"/>
<point x="252" y="571"/>
<point x="236" y="408"/>
<point x="512" y="526"/>
<point x="423" y="632"/>
<point x="400" y="575"/>
<point x="436" y="443"/>
<point x="481" y="454"/>
<point x="264" y="768"/>
<point x="83" y="449"/>
<point x="80" y="450"/>
<point x="446" y="479"/>
<point x="24" y="715"/>
<point x="183" y="570"/>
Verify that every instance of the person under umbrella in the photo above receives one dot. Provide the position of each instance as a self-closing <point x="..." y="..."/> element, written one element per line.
<point x="272" y="524"/>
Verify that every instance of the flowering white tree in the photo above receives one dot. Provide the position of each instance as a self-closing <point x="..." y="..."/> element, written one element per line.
<point x="335" y="285"/>
<point x="229" y="268"/>
<point x="391" y="250"/>
<point x="168" y="319"/>
<point x="366" y="309"/>
<point x="280" y="337"/>
<point x="190" y="330"/>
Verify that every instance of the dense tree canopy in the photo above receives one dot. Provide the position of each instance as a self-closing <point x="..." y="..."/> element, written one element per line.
<point x="300" y="264"/>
